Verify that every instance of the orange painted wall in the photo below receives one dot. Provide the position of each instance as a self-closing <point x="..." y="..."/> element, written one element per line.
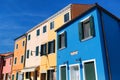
<point x="17" y="54"/>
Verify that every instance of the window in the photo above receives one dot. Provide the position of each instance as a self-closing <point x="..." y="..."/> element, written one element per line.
<point x="16" y="46"/>
<point x="86" y="29"/>
<point x="21" y="59"/>
<point x="63" y="75"/>
<point x="23" y="43"/>
<point x="52" y="25"/>
<point x="12" y="77"/>
<point x="89" y="70"/>
<point x="38" y="32"/>
<point x="74" y="72"/>
<point x="37" y="50"/>
<point x="29" y="36"/>
<point x="28" y="53"/>
<point x="15" y="60"/>
<point x="28" y="74"/>
<point x="17" y="76"/>
<point x="44" y="29"/>
<point x="10" y="61"/>
<point x="4" y="63"/>
<point x="62" y="42"/>
<point x="50" y="75"/>
<point x="43" y="49"/>
<point x="66" y="17"/>
<point x="51" y="47"/>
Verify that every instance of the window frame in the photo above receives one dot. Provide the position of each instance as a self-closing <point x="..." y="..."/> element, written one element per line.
<point x="60" y="71"/>
<point x="16" y="46"/>
<point x="49" y="47"/>
<point x="29" y="37"/>
<point x="37" y="51"/>
<point x="59" y="41"/>
<point x="52" y="25"/>
<point x="66" y="17"/>
<point x="15" y="60"/>
<point x="22" y="59"/>
<point x="37" y="32"/>
<point x="42" y="50"/>
<point x="44" y="29"/>
<point x="28" y="54"/>
<point x="81" y="24"/>
<point x="70" y="70"/>
<point x="86" y="61"/>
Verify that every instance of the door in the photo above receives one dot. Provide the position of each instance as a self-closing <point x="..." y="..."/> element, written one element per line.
<point x="43" y="76"/>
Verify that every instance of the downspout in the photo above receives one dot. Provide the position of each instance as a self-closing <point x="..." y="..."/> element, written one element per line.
<point x="105" y="46"/>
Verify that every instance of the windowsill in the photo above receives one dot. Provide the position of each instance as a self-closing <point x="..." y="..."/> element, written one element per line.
<point x="87" y="38"/>
<point x="61" y="48"/>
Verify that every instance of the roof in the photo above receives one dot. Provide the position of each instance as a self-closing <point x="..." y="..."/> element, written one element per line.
<point x="94" y="6"/>
<point x="19" y="37"/>
<point x="6" y="54"/>
<point x="53" y="16"/>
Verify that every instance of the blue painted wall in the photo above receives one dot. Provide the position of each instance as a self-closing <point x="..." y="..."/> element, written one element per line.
<point x="89" y="49"/>
<point x="112" y="33"/>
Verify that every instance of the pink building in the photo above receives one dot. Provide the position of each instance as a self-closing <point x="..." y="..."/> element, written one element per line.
<point x="8" y="58"/>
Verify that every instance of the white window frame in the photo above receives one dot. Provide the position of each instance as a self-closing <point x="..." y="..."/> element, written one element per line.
<point x="60" y="71"/>
<point x="78" y="68"/>
<point x="90" y="60"/>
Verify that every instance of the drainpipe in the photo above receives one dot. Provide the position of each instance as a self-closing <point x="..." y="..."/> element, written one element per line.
<point x="105" y="46"/>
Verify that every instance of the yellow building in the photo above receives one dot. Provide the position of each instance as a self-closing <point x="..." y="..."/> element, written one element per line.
<point x="18" y="63"/>
<point x="40" y="62"/>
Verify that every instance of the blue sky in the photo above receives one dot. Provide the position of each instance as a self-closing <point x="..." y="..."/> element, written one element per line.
<point x="18" y="16"/>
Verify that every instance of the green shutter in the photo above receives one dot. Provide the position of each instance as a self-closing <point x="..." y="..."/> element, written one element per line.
<point x="92" y="26"/>
<point x="65" y="41"/>
<point x="89" y="71"/>
<point x="63" y="73"/>
<point x="37" y="50"/>
<point x="80" y="30"/>
<point x="12" y="77"/>
<point x="58" y="41"/>
<point x="49" y="43"/>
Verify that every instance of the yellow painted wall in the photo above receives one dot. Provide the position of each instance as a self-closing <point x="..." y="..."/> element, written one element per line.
<point x="17" y="54"/>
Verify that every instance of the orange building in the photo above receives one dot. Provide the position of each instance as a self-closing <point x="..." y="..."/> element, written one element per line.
<point x="19" y="56"/>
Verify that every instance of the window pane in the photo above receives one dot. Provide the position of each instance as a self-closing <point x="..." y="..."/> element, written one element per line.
<point x="74" y="73"/>
<point x="63" y="73"/>
<point x="86" y="28"/>
<point x="44" y="29"/>
<point x="89" y="71"/>
<point x="27" y="53"/>
<point x="37" y="50"/>
<point x="38" y="32"/>
<point x="52" y="25"/>
<point x="66" y="17"/>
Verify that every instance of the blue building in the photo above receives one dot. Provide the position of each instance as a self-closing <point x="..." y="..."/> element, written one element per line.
<point x="88" y="47"/>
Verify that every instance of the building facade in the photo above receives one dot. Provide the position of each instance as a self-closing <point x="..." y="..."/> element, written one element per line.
<point x="19" y="58"/>
<point x="8" y="59"/>
<point x="40" y="52"/>
<point x="88" y="47"/>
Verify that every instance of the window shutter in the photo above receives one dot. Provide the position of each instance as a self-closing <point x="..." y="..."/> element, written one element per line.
<point x="53" y="45"/>
<point x="41" y="50"/>
<point x="80" y="31"/>
<point x="65" y="41"/>
<point x="92" y="26"/>
<point x="49" y="47"/>
<point x="58" y="41"/>
<point x="46" y="49"/>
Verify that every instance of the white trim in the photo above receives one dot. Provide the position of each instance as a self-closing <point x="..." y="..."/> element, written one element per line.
<point x="87" y="38"/>
<point x="78" y="68"/>
<point x="85" y="19"/>
<point x="60" y="71"/>
<point x="85" y="61"/>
